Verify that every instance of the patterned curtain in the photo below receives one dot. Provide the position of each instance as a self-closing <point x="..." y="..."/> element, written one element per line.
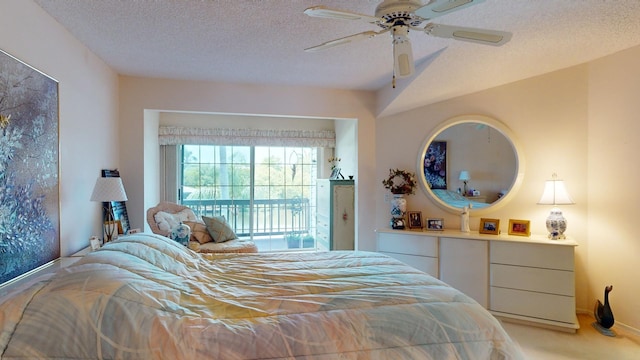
<point x="174" y="135"/>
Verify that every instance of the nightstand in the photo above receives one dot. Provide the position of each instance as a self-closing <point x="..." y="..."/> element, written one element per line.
<point x="479" y="198"/>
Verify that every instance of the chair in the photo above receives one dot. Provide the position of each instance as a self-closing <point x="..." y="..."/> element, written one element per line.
<point x="231" y="246"/>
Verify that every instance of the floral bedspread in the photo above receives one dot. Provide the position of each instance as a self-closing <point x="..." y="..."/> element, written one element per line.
<point x="147" y="297"/>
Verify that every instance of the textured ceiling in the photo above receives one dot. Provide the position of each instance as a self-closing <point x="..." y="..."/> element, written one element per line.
<point x="251" y="41"/>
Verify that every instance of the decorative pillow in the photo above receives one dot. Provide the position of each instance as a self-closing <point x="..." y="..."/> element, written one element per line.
<point x="181" y="234"/>
<point x="218" y="229"/>
<point x="199" y="232"/>
<point x="167" y="221"/>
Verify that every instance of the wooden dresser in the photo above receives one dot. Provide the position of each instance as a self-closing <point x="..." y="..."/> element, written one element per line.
<point x="525" y="279"/>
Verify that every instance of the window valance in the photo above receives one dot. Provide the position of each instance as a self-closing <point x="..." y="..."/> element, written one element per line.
<point x="174" y="135"/>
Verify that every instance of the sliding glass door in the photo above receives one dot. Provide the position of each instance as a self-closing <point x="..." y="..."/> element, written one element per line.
<point x="266" y="193"/>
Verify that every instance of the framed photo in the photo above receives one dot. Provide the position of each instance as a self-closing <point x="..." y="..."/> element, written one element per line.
<point x="489" y="226"/>
<point x="435" y="224"/>
<point x="519" y="227"/>
<point x="415" y="220"/>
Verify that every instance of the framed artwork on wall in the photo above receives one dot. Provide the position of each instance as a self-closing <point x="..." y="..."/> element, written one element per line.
<point x="435" y="165"/>
<point x="29" y="168"/>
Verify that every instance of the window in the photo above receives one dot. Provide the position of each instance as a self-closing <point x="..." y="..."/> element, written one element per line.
<point x="266" y="193"/>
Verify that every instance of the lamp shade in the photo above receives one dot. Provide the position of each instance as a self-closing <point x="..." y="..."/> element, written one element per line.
<point x="464" y="176"/>
<point x="555" y="193"/>
<point x="108" y="189"/>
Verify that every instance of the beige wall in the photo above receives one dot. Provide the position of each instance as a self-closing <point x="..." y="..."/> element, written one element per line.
<point x="613" y="177"/>
<point x="88" y="111"/>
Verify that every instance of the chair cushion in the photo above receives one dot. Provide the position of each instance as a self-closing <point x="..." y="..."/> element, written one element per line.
<point x="218" y="229"/>
<point x="167" y="221"/>
<point x="199" y="232"/>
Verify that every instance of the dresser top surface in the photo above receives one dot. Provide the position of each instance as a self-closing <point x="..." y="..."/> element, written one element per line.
<point x="475" y="235"/>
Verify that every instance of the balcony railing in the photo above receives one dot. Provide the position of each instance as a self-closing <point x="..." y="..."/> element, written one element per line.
<point x="270" y="217"/>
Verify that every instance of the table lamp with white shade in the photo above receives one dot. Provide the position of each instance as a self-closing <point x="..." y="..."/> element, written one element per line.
<point x="555" y="193"/>
<point x="106" y="190"/>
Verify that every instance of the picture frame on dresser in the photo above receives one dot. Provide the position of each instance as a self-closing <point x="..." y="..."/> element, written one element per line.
<point x="519" y="227"/>
<point x="415" y="219"/>
<point x="435" y="224"/>
<point x="489" y="226"/>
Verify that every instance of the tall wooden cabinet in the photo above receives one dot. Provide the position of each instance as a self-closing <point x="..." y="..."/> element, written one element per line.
<point x="335" y="214"/>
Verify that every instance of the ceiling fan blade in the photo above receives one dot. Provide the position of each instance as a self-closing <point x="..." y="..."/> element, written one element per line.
<point x="345" y="40"/>
<point x="481" y="36"/>
<point x="437" y="8"/>
<point x="324" y="12"/>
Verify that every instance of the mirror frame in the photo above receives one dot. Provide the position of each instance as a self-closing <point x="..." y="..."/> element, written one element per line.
<point x="481" y="119"/>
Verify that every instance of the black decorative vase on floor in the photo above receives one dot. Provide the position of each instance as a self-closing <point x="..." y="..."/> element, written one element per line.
<point x="604" y="314"/>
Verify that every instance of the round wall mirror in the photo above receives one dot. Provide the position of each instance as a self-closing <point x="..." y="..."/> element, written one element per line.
<point x="473" y="161"/>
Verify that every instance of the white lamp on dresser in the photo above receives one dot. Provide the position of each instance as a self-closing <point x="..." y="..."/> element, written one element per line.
<point x="555" y="193"/>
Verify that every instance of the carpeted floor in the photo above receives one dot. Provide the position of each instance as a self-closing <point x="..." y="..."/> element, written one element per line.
<point x="587" y="343"/>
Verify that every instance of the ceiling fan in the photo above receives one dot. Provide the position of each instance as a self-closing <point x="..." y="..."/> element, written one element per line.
<point x="397" y="17"/>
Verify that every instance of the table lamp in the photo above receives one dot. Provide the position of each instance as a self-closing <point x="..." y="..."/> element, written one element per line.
<point x="107" y="190"/>
<point x="555" y="194"/>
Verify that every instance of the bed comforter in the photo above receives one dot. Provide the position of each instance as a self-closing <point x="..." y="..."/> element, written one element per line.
<point x="147" y="297"/>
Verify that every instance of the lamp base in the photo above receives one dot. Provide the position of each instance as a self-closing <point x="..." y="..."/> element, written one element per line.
<point x="556" y="224"/>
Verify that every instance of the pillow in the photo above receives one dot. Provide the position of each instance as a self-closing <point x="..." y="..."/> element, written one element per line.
<point x="167" y="221"/>
<point x="199" y="232"/>
<point x="181" y="234"/>
<point x="218" y="229"/>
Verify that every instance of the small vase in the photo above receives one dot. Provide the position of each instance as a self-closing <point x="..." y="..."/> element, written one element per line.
<point x="398" y="211"/>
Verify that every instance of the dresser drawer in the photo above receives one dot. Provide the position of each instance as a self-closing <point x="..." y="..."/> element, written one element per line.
<point x="537" y="305"/>
<point x="422" y="263"/>
<point x="532" y="255"/>
<point x="406" y="243"/>
<point x="558" y="282"/>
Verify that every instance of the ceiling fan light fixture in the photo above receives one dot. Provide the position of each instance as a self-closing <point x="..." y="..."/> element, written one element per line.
<point x="403" y="65"/>
<point x="398" y="17"/>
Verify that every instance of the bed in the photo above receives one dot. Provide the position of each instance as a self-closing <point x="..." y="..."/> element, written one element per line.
<point x="144" y="296"/>
<point x="456" y="200"/>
